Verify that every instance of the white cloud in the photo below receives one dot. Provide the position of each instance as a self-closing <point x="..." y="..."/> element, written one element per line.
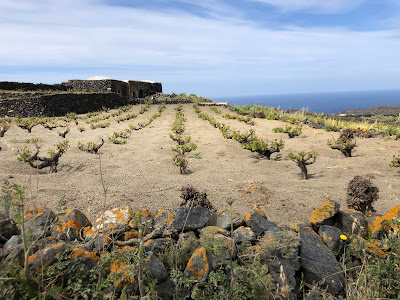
<point x="318" y="6"/>
<point x="83" y="39"/>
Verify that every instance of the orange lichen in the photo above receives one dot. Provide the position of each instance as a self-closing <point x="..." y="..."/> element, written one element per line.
<point x="248" y="216"/>
<point x="73" y="224"/>
<point x="169" y="219"/>
<point x="32" y="258"/>
<point x="144" y="212"/>
<point x="132" y="234"/>
<point x="160" y="213"/>
<point x="295" y="226"/>
<point x="260" y="212"/>
<point x="81" y="252"/>
<point x="325" y="211"/>
<point x="372" y="248"/>
<point x="37" y="211"/>
<point x="198" y="271"/>
<point x="377" y="222"/>
<point x="59" y="245"/>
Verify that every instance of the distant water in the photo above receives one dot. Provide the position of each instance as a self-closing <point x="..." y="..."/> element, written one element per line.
<point x="328" y="103"/>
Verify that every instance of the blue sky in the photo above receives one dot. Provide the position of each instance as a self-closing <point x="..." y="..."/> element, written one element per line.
<point x="208" y="47"/>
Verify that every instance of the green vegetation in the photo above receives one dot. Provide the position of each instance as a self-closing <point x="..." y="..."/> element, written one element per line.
<point x="91" y="147"/>
<point x="39" y="162"/>
<point x="303" y="159"/>
<point x="291" y="131"/>
<point x="184" y="144"/>
<point x="375" y="124"/>
<point x="4" y="125"/>
<point x="395" y="163"/>
<point x="28" y="123"/>
<point x="345" y="143"/>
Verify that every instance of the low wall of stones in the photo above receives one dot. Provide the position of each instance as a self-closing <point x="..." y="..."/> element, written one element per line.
<point x="26" y="86"/>
<point x="305" y="254"/>
<point x="55" y="105"/>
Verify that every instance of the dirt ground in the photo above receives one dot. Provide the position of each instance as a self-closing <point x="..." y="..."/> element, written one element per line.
<point x="141" y="173"/>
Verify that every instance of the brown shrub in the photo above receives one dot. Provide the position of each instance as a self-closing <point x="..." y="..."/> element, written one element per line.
<point x="361" y="193"/>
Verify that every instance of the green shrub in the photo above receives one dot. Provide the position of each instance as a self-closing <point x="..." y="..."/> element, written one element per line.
<point x="265" y="148"/>
<point x="303" y="159"/>
<point x="395" y="163"/>
<point x="39" y="162"/>
<point x="345" y="143"/>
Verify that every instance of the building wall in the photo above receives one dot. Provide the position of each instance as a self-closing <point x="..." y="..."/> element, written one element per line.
<point x="141" y="89"/>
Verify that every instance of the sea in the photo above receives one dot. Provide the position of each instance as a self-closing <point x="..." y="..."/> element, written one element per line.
<point x="327" y="103"/>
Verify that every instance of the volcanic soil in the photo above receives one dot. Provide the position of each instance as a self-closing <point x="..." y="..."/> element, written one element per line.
<point x="141" y="173"/>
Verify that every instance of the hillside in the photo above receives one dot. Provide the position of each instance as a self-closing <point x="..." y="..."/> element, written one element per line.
<point x="393" y="110"/>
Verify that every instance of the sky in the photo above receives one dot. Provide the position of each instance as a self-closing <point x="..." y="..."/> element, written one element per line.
<point x="211" y="48"/>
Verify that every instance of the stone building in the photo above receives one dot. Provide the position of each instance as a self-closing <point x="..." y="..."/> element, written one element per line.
<point x="130" y="89"/>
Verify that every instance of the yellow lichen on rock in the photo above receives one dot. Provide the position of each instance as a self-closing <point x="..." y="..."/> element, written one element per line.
<point x="327" y="210"/>
<point x="198" y="265"/>
<point x="376" y="224"/>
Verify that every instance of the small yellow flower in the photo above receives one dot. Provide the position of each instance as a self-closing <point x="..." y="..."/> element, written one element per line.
<point x="343" y="237"/>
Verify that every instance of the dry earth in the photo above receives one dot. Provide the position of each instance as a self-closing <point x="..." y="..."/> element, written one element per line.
<point x="141" y="173"/>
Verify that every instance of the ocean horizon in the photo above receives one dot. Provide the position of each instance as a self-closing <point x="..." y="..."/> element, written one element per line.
<point x="326" y="102"/>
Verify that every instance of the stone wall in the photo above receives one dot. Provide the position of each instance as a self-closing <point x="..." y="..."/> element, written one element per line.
<point x="27" y="86"/>
<point x="131" y="89"/>
<point x="40" y="105"/>
<point x="141" y="89"/>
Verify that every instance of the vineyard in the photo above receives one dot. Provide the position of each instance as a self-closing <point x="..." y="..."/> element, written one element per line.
<point x="142" y="155"/>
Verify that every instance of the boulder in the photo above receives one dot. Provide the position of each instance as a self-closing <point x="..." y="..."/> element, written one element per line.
<point x="283" y="271"/>
<point x="351" y="221"/>
<point x="88" y="258"/>
<point x="121" y="267"/>
<point x="332" y="238"/>
<point x="47" y="255"/>
<point x="7" y="228"/>
<point x="381" y="224"/>
<point x="164" y="216"/>
<point x="211" y="230"/>
<point x="224" y="219"/>
<point x="356" y="241"/>
<point x="116" y="220"/>
<point x="15" y="242"/>
<point x="223" y="247"/>
<point x="242" y="234"/>
<point x="297" y="226"/>
<point x="324" y="215"/>
<point x="318" y="263"/>
<point x="146" y="218"/>
<point x="259" y="223"/>
<point x="70" y="225"/>
<point x="200" y="264"/>
<point x="191" y="218"/>
<point x="157" y="268"/>
<point x="157" y="245"/>
<point x="116" y="216"/>
<point x="38" y="219"/>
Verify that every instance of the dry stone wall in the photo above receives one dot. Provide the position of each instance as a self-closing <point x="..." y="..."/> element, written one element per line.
<point x="27" y="86"/>
<point x="40" y="105"/>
